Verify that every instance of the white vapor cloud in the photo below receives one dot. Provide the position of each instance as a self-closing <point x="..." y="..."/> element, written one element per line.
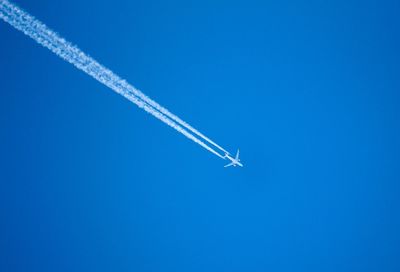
<point x="39" y="32"/>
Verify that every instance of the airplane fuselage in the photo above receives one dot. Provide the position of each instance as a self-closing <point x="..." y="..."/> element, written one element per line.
<point x="234" y="161"/>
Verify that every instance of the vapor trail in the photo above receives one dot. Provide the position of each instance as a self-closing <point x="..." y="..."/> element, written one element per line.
<point x="39" y="32"/>
<point x="46" y="37"/>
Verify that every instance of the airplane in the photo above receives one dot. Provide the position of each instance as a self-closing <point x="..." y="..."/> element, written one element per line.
<point x="234" y="161"/>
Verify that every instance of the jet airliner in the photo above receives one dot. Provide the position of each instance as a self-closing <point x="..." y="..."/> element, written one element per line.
<point x="234" y="161"/>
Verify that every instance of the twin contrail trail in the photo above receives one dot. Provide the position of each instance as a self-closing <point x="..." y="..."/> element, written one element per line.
<point x="39" y="32"/>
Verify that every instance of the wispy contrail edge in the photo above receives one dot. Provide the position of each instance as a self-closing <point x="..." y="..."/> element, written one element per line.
<point x="39" y="32"/>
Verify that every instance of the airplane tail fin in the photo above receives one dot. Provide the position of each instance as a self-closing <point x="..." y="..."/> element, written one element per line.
<point x="237" y="155"/>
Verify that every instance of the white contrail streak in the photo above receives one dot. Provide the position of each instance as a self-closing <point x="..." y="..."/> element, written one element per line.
<point x="39" y="32"/>
<point x="48" y="38"/>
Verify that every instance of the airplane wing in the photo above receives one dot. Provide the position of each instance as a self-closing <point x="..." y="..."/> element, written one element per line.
<point x="237" y="155"/>
<point x="230" y="164"/>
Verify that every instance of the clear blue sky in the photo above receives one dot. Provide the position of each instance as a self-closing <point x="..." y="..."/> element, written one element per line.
<point x="308" y="90"/>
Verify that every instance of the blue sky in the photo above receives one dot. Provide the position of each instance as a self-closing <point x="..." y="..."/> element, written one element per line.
<point x="308" y="90"/>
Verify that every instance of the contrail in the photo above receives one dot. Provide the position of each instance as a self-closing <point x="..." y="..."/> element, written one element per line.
<point x="39" y="32"/>
<point x="48" y="38"/>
